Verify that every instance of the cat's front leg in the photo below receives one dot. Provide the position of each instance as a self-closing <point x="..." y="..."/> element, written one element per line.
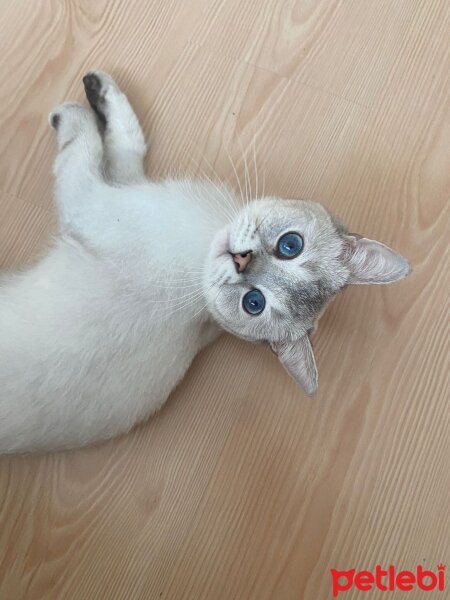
<point x="124" y="141"/>
<point x="79" y="161"/>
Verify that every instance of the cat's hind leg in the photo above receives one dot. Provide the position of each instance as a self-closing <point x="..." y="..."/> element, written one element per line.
<point x="124" y="141"/>
<point x="78" y="165"/>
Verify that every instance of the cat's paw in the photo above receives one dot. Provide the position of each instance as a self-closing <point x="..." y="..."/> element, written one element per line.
<point x="70" y="120"/>
<point x="100" y="88"/>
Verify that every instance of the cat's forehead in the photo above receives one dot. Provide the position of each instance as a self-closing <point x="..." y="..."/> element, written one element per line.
<point x="270" y="216"/>
<point x="263" y="222"/>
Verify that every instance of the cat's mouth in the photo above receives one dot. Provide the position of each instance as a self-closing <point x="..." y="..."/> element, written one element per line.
<point x="241" y="260"/>
<point x="223" y="268"/>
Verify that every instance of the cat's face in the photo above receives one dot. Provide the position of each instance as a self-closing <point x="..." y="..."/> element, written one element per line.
<point x="273" y="270"/>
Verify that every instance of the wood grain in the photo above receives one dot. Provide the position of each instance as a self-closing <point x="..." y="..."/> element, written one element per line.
<point x="241" y="488"/>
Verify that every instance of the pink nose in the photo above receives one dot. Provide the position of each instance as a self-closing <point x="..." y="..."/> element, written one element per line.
<point x="242" y="260"/>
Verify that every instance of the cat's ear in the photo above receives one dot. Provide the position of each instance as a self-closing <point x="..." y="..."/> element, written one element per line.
<point x="372" y="262"/>
<point x="298" y="359"/>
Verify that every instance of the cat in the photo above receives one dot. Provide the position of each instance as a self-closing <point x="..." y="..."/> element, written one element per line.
<point x="143" y="275"/>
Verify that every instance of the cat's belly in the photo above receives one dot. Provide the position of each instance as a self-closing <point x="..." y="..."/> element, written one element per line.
<point x="87" y="364"/>
<point x="104" y="389"/>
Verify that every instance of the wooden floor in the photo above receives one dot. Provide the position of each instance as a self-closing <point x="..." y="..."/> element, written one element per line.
<point x="241" y="487"/>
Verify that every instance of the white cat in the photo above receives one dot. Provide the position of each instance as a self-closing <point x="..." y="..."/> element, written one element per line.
<point x="143" y="275"/>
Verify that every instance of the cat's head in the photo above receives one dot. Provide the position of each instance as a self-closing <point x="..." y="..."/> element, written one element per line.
<point x="273" y="270"/>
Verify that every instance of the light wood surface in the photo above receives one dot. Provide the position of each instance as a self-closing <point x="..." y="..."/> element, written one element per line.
<point x="241" y="487"/>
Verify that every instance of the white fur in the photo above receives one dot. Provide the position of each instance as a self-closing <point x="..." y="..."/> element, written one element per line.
<point x="95" y="337"/>
<point x="88" y="346"/>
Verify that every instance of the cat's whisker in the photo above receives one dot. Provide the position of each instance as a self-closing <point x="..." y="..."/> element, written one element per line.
<point x="185" y="303"/>
<point x="170" y="275"/>
<point x="248" y="188"/>
<point x="174" y="301"/>
<point x="231" y="215"/>
<point x="237" y="177"/>
<point x="256" y="167"/>
<point x="205" y="305"/>
<point x="217" y="205"/>
<point x="179" y="282"/>
<point x="181" y="276"/>
<point x="212" y="203"/>
<point x="174" y="280"/>
<point x="197" y="313"/>
<point x="171" y="283"/>
<point x="231" y="201"/>
<point x="188" y="185"/>
<point x="190" y="270"/>
<point x="176" y="286"/>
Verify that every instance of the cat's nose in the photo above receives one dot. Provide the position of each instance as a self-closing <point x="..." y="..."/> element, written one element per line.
<point x="242" y="260"/>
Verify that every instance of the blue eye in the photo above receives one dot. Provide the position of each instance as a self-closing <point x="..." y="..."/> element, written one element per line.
<point x="253" y="302"/>
<point x="289" y="245"/>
